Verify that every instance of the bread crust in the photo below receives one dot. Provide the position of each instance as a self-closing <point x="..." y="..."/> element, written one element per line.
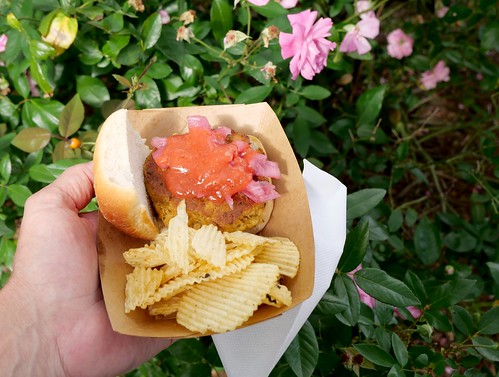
<point x="119" y="189"/>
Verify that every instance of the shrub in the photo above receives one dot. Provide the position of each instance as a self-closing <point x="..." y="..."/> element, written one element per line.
<point x="407" y="120"/>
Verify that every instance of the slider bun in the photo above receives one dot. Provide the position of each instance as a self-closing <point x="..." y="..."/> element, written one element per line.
<point x="119" y="158"/>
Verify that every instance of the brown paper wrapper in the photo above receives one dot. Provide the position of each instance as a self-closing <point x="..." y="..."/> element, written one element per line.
<point x="290" y="217"/>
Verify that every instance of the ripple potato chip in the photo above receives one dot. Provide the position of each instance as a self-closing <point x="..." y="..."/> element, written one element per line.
<point x="224" y="304"/>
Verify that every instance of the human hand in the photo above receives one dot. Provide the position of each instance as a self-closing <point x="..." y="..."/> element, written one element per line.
<point x="52" y="315"/>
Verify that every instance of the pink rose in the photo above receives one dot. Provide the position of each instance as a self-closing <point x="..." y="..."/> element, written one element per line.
<point x="259" y="3"/>
<point x="439" y="73"/>
<point x="165" y="17"/>
<point x="3" y="42"/>
<point x="399" y="44"/>
<point x="356" y="36"/>
<point x="307" y="45"/>
<point x="364" y="9"/>
<point x="288" y="4"/>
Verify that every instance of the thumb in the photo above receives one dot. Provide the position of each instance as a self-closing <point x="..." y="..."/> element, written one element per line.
<point x="73" y="190"/>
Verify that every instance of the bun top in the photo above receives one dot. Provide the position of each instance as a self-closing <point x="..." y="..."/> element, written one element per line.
<point x="119" y="158"/>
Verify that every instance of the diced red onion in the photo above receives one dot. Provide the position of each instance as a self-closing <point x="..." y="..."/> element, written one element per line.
<point x="260" y="191"/>
<point x="263" y="167"/>
<point x="158" y="142"/>
<point x="198" y="121"/>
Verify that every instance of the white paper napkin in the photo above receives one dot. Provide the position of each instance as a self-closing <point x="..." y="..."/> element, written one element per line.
<point x="254" y="350"/>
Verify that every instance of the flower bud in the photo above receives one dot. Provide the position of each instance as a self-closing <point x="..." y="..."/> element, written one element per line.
<point x="188" y="17"/>
<point x="184" y="34"/>
<point x="269" y="70"/>
<point x="233" y="37"/>
<point x="269" y="33"/>
<point x="138" y="5"/>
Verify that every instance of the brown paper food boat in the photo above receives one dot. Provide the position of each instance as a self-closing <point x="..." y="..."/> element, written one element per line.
<point x="290" y="218"/>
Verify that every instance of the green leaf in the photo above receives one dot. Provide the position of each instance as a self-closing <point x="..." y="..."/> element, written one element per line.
<point x="385" y="288"/>
<point x="369" y="105"/>
<point x="72" y="117"/>
<point x="115" y="44"/>
<point x="42" y="113"/>
<point x="450" y="293"/>
<point x="301" y="136"/>
<point x="123" y="81"/>
<point x="149" y="96"/>
<point x="416" y="286"/>
<point x="400" y="350"/>
<point x="271" y="10"/>
<point x="90" y="53"/>
<point x="130" y="55"/>
<point x="221" y="19"/>
<point x="40" y="50"/>
<point x="377" y="230"/>
<point x="32" y="139"/>
<point x="303" y="352"/>
<point x="113" y="23"/>
<point x="460" y="241"/>
<point x="494" y="271"/>
<point x="395" y="220"/>
<point x="5" y="231"/>
<point x="18" y="194"/>
<point x="151" y="30"/>
<point x="254" y="94"/>
<point x="355" y="248"/>
<point x="159" y="70"/>
<point x="396" y="371"/>
<point x="361" y="202"/>
<point x="315" y="92"/>
<point x="5" y="168"/>
<point x="345" y="289"/>
<point x="375" y="354"/>
<point x="92" y="90"/>
<point x="48" y="173"/>
<point x="486" y="347"/>
<point x="489" y="35"/>
<point x="8" y="111"/>
<point x="463" y="320"/>
<point x="438" y="320"/>
<point x="489" y="323"/>
<point x="192" y="70"/>
<point x="331" y="304"/>
<point x="39" y="75"/>
<point x="427" y="242"/>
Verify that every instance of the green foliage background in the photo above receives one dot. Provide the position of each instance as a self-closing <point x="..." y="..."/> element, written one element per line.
<point x="421" y="166"/>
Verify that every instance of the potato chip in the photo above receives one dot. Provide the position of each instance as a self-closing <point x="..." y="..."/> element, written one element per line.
<point x="209" y="244"/>
<point x="224" y="304"/>
<point x="209" y="280"/>
<point x="147" y="256"/>
<point x="282" y="253"/>
<point x="243" y="238"/>
<point x="204" y="273"/>
<point x="166" y="308"/>
<point x="278" y="296"/>
<point x="141" y="284"/>
<point x="178" y="239"/>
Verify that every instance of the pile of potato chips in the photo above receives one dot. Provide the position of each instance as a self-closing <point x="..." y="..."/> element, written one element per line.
<point x="211" y="282"/>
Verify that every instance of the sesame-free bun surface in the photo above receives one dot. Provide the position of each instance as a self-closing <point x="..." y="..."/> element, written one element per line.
<point x="119" y="157"/>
